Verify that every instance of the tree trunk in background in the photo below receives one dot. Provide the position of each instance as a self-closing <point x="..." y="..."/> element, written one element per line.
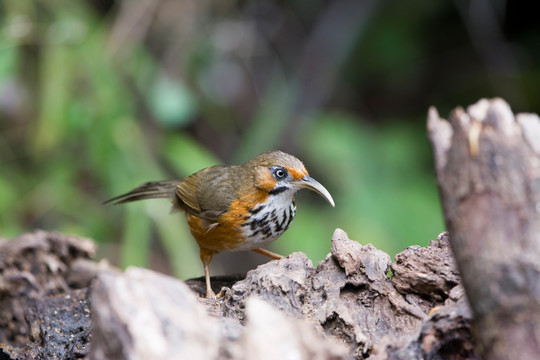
<point x="488" y="170"/>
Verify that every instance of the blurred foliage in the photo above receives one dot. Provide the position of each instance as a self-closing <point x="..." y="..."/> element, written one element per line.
<point x="98" y="96"/>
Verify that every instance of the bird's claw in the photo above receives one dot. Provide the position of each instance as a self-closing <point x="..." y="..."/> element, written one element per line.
<point x="212" y="296"/>
<point x="222" y="292"/>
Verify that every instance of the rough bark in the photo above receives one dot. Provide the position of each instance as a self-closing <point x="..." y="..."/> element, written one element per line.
<point x="346" y="307"/>
<point x="488" y="170"/>
<point x="43" y="314"/>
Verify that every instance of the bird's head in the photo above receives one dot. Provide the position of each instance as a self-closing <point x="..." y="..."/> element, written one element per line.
<point x="277" y="172"/>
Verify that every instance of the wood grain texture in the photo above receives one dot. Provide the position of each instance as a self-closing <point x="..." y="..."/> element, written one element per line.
<point x="488" y="170"/>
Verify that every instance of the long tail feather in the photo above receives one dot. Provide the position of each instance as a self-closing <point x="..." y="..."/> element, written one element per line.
<point x="149" y="190"/>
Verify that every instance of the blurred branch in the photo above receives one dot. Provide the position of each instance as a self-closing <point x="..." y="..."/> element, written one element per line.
<point x="327" y="48"/>
<point x="131" y="26"/>
<point x="314" y="76"/>
<point x="483" y="21"/>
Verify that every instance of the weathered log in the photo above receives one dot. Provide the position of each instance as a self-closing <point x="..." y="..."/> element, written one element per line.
<point x="345" y="307"/>
<point x="42" y="314"/>
<point x="349" y="296"/>
<point x="59" y="327"/>
<point x="141" y="314"/>
<point x="488" y="170"/>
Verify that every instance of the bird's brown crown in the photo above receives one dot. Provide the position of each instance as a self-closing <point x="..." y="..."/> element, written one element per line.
<point x="267" y="167"/>
<point x="275" y="158"/>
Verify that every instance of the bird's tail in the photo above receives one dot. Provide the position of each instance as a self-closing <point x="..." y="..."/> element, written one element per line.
<point x="149" y="190"/>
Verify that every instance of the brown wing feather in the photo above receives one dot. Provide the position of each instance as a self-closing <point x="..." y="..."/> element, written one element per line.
<point x="187" y="192"/>
<point x="207" y="193"/>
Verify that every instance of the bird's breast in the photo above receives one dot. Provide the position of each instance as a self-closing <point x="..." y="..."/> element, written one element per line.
<point x="246" y="225"/>
<point x="266" y="223"/>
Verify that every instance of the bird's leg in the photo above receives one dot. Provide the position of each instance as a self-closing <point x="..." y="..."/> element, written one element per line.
<point x="206" y="257"/>
<point x="209" y="292"/>
<point x="268" y="253"/>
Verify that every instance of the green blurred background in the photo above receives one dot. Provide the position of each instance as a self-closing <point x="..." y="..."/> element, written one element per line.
<point x="98" y="96"/>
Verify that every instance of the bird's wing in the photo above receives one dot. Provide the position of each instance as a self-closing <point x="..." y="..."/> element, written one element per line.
<point x="186" y="191"/>
<point x="206" y="193"/>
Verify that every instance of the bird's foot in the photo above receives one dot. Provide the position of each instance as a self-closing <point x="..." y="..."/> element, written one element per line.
<point x="211" y="295"/>
<point x="268" y="253"/>
<point x="222" y="292"/>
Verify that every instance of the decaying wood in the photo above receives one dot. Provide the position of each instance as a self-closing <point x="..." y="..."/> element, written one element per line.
<point x="346" y="307"/>
<point x="59" y="327"/>
<point x="169" y="323"/>
<point x="43" y="315"/>
<point x="488" y="170"/>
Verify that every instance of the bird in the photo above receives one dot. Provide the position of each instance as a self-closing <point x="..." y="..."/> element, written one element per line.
<point x="235" y="208"/>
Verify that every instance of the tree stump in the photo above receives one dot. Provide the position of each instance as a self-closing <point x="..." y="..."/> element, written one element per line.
<point x="488" y="171"/>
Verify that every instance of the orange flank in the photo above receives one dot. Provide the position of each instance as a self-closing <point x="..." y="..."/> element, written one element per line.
<point x="221" y="236"/>
<point x="226" y="234"/>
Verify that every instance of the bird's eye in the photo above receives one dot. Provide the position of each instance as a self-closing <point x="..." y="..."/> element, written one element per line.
<point x="280" y="173"/>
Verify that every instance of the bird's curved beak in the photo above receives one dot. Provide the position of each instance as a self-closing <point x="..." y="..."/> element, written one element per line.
<point x="307" y="182"/>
